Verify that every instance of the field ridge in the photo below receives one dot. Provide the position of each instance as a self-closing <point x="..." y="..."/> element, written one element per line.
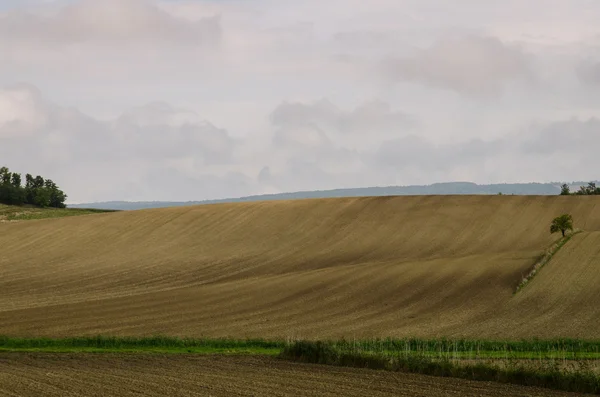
<point x="546" y="257"/>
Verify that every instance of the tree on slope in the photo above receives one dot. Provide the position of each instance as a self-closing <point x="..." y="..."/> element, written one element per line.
<point x="565" y="190"/>
<point x="562" y="224"/>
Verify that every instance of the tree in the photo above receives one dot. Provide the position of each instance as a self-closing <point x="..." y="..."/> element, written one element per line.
<point x="565" y="190"/>
<point x="591" y="188"/>
<point x="37" y="191"/>
<point x="42" y="197"/>
<point x="16" y="180"/>
<point x="8" y="195"/>
<point x="588" y="190"/>
<point x="29" y="189"/>
<point x="57" y="196"/>
<point x="562" y="224"/>
<point x="38" y="182"/>
<point x="57" y="199"/>
<point x="11" y="191"/>
<point x="5" y="176"/>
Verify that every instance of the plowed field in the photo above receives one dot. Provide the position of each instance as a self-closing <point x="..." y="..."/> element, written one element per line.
<point x="355" y="268"/>
<point x="66" y="375"/>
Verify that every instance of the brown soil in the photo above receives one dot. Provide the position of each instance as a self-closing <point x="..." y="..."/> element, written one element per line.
<point x="355" y="268"/>
<point x="177" y="375"/>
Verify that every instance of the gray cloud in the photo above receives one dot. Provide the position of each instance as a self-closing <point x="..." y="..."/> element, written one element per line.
<point x="376" y="117"/>
<point x="295" y="113"/>
<point x="571" y="137"/>
<point x="472" y="65"/>
<point x="370" y="117"/>
<point x="561" y="150"/>
<point x="97" y="158"/>
<point x="417" y="153"/>
<point x="159" y="151"/>
<point x="589" y="72"/>
<point x="158" y="130"/>
<point x="318" y="142"/>
<point x="173" y="185"/>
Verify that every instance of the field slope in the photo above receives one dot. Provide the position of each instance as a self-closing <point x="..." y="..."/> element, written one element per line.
<point x="356" y="268"/>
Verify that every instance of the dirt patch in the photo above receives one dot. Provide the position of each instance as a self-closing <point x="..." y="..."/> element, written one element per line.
<point x="66" y="375"/>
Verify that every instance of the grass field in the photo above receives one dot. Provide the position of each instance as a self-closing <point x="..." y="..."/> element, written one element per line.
<point x="560" y="349"/>
<point x="357" y="268"/>
<point x="156" y="344"/>
<point x="11" y="213"/>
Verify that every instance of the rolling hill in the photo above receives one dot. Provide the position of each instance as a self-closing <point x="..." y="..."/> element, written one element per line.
<point x="320" y="268"/>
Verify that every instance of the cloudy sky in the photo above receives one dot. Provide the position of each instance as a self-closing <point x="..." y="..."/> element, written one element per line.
<point x="191" y="100"/>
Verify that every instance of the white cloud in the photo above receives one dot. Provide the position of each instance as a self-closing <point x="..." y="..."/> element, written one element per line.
<point x="107" y="21"/>
<point x="20" y="110"/>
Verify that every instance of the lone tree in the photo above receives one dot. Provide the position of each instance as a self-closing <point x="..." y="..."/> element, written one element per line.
<point x="565" y="190"/>
<point x="562" y="224"/>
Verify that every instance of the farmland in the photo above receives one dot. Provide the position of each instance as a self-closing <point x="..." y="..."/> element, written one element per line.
<point x="562" y="364"/>
<point x="160" y="375"/>
<point x="354" y="271"/>
<point x="314" y="269"/>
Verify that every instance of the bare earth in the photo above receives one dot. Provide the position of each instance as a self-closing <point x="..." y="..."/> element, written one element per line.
<point x="64" y="375"/>
<point x="355" y="267"/>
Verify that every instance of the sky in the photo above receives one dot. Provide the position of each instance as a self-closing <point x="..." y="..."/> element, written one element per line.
<point x="180" y="100"/>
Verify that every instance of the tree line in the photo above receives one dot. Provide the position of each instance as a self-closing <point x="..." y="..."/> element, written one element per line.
<point x="589" y="190"/>
<point x="37" y="191"/>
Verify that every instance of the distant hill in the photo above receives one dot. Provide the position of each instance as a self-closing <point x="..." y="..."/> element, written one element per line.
<point x="450" y="188"/>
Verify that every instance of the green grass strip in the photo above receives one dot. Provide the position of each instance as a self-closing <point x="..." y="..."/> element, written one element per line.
<point x="461" y="348"/>
<point x="156" y="350"/>
<point x="161" y="344"/>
